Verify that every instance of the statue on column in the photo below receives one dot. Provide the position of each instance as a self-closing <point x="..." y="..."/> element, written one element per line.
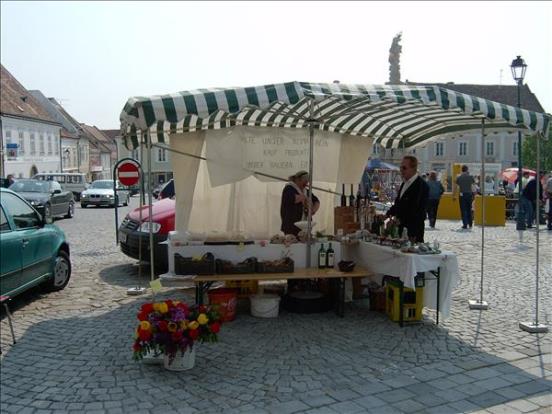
<point x="394" y="60"/>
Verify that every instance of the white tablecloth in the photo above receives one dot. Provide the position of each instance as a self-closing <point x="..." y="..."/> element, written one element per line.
<point x="384" y="260"/>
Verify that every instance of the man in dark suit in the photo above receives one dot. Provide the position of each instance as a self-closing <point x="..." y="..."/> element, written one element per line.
<point x="410" y="205"/>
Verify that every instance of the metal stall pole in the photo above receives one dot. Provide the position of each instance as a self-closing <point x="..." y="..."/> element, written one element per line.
<point x="535" y="327"/>
<point x="150" y="207"/>
<point x="311" y="157"/>
<point x="480" y="303"/>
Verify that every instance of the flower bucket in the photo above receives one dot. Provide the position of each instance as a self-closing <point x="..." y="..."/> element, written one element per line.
<point x="227" y="300"/>
<point x="181" y="361"/>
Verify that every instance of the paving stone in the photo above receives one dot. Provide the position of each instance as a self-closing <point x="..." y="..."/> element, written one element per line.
<point x="288" y="407"/>
<point x="370" y="402"/>
<point x="318" y="400"/>
<point x="347" y="407"/>
<point x="408" y="406"/>
<point x="532" y="387"/>
<point x="492" y="383"/>
<point x="395" y="395"/>
<point x="487" y="399"/>
<point x="523" y="405"/>
<point x="464" y="406"/>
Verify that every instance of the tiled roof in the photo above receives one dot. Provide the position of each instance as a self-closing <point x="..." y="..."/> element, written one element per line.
<point x="505" y="94"/>
<point x="112" y="133"/>
<point x="17" y="101"/>
<point x="97" y="138"/>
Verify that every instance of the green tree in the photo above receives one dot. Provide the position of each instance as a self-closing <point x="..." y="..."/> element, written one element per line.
<point x="529" y="152"/>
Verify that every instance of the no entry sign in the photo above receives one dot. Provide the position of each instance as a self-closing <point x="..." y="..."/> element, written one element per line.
<point x="128" y="173"/>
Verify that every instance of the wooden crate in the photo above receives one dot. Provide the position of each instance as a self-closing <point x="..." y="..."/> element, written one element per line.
<point x="344" y="219"/>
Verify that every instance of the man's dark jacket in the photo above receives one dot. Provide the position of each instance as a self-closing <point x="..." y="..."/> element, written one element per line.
<point x="410" y="209"/>
<point x="530" y="191"/>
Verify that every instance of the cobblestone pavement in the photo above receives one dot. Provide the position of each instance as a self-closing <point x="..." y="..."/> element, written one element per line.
<point x="74" y="347"/>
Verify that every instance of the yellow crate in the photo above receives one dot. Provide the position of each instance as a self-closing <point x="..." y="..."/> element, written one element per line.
<point x="245" y="287"/>
<point x="413" y="302"/>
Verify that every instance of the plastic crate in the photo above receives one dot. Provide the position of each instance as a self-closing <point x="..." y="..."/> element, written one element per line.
<point x="413" y="302"/>
<point x="188" y="266"/>
<point x="244" y="287"/>
<point x="225" y="267"/>
<point x="288" y="266"/>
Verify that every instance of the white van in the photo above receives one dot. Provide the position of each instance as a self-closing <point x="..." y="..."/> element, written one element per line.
<point x="74" y="182"/>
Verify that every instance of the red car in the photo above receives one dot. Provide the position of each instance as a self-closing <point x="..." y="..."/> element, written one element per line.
<point x="134" y="233"/>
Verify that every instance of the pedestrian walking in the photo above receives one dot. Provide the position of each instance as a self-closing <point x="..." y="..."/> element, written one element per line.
<point x="549" y="199"/>
<point x="436" y="190"/>
<point x="528" y="200"/>
<point x="465" y="183"/>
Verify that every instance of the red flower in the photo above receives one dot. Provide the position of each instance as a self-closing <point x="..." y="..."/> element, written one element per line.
<point x="202" y="309"/>
<point x="194" y="333"/>
<point x="169" y="303"/>
<point x="136" y="347"/>
<point x="142" y="316"/>
<point x="144" y="335"/>
<point x="162" y="326"/>
<point x="176" y="336"/>
<point x="147" y="308"/>
<point x="215" y="327"/>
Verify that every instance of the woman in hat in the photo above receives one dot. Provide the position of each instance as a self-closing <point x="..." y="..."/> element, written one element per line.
<point x="295" y="202"/>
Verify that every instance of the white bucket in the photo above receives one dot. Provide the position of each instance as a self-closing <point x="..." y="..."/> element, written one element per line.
<point x="265" y="306"/>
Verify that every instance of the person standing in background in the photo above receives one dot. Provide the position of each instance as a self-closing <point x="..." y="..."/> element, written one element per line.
<point x="465" y="183"/>
<point x="549" y="196"/>
<point x="436" y="190"/>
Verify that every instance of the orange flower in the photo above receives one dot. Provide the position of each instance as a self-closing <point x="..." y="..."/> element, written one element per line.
<point x="171" y="327"/>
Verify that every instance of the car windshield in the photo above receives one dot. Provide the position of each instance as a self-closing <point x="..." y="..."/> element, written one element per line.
<point x="102" y="184"/>
<point x="34" y="186"/>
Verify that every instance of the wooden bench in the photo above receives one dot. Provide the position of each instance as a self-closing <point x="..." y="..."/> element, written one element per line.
<point x="203" y="283"/>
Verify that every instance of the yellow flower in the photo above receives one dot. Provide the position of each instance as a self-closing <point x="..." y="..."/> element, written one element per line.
<point x="202" y="319"/>
<point x="193" y="325"/>
<point x="145" y="325"/>
<point x="183" y="325"/>
<point x="171" y="327"/>
<point x="156" y="307"/>
<point x="163" y="307"/>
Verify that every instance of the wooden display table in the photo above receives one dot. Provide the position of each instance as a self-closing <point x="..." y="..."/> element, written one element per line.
<point x="203" y="283"/>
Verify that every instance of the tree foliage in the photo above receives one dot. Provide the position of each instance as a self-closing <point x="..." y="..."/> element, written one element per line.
<point x="529" y="152"/>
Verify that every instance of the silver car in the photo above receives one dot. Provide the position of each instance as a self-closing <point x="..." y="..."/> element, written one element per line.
<point x="100" y="193"/>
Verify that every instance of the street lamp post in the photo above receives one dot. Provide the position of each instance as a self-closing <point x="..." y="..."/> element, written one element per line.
<point x="519" y="67"/>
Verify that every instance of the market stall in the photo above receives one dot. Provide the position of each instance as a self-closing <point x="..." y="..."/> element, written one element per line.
<point x="233" y="147"/>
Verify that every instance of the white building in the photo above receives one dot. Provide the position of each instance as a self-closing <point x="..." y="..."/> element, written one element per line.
<point x="30" y="137"/>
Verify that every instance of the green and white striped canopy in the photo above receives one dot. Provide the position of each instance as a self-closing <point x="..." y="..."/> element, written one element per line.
<point x="393" y="115"/>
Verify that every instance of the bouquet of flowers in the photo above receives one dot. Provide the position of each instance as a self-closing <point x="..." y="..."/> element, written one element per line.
<point x="171" y="326"/>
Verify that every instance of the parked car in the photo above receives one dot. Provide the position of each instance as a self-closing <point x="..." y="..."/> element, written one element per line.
<point x="34" y="251"/>
<point x="100" y="193"/>
<point x="134" y="233"/>
<point x="47" y="197"/>
<point x="74" y="182"/>
<point x="167" y="191"/>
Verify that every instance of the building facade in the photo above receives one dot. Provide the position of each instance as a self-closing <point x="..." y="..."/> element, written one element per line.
<point x="31" y="138"/>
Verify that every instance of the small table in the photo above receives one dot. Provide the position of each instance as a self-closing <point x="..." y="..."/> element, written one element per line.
<point x="203" y="283"/>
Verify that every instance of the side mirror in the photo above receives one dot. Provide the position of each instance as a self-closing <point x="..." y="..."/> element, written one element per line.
<point x="45" y="220"/>
<point x="57" y="191"/>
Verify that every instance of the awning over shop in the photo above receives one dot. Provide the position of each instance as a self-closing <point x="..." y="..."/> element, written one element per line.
<point x="393" y="115"/>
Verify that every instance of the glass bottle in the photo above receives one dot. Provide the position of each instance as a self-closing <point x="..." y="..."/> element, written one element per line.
<point x="321" y="257"/>
<point x="330" y="257"/>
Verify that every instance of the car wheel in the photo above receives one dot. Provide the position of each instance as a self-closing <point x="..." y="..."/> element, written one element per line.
<point x="76" y="196"/>
<point x="84" y="205"/>
<point x="70" y="210"/>
<point x="62" y="272"/>
<point x="126" y="202"/>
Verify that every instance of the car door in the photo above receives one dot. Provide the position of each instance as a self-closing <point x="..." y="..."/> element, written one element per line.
<point x="35" y="246"/>
<point x="10" y="259"/>
<point x="59" y="199"/>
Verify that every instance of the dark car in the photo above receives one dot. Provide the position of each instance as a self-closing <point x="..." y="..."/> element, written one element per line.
<point x="33" y="250"/>
<point x="47" y="197"/>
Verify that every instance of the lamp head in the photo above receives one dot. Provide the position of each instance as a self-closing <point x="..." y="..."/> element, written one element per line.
<point x="518" y="67"/>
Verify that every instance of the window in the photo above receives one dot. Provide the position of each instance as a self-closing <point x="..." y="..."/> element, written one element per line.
<point x="55" y="186"/>
<point x="41" y="144"/>
<point x="515" y="149"/>
<point x="490" y="149"/>
<point x="462" y="149"/>
<point x="8" y="136"/>
<point x="161" y="155"/>
<point x="4" y="225"/>
<point x="33" y="144"/>
<point x="439" y="149"/>
<point x="21" y="143"/>
<point x="56" y="148"/>
<point x="23" y="215"/>
<point x="49" y="145"/>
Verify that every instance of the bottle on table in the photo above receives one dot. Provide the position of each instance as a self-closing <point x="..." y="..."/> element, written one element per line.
<point x="330" y="257"/>
<point x="352" y="198"/>
<point x="343" y="196"/>
<point x="322" y="257"/>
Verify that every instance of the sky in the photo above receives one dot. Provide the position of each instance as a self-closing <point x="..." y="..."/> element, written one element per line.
<point x="93" y="56"/>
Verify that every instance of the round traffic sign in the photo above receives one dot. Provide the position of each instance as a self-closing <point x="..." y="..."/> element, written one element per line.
<point x="128" y="173"/>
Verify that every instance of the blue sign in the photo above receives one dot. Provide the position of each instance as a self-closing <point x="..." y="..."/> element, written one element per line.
<point x="13" y="146"/>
